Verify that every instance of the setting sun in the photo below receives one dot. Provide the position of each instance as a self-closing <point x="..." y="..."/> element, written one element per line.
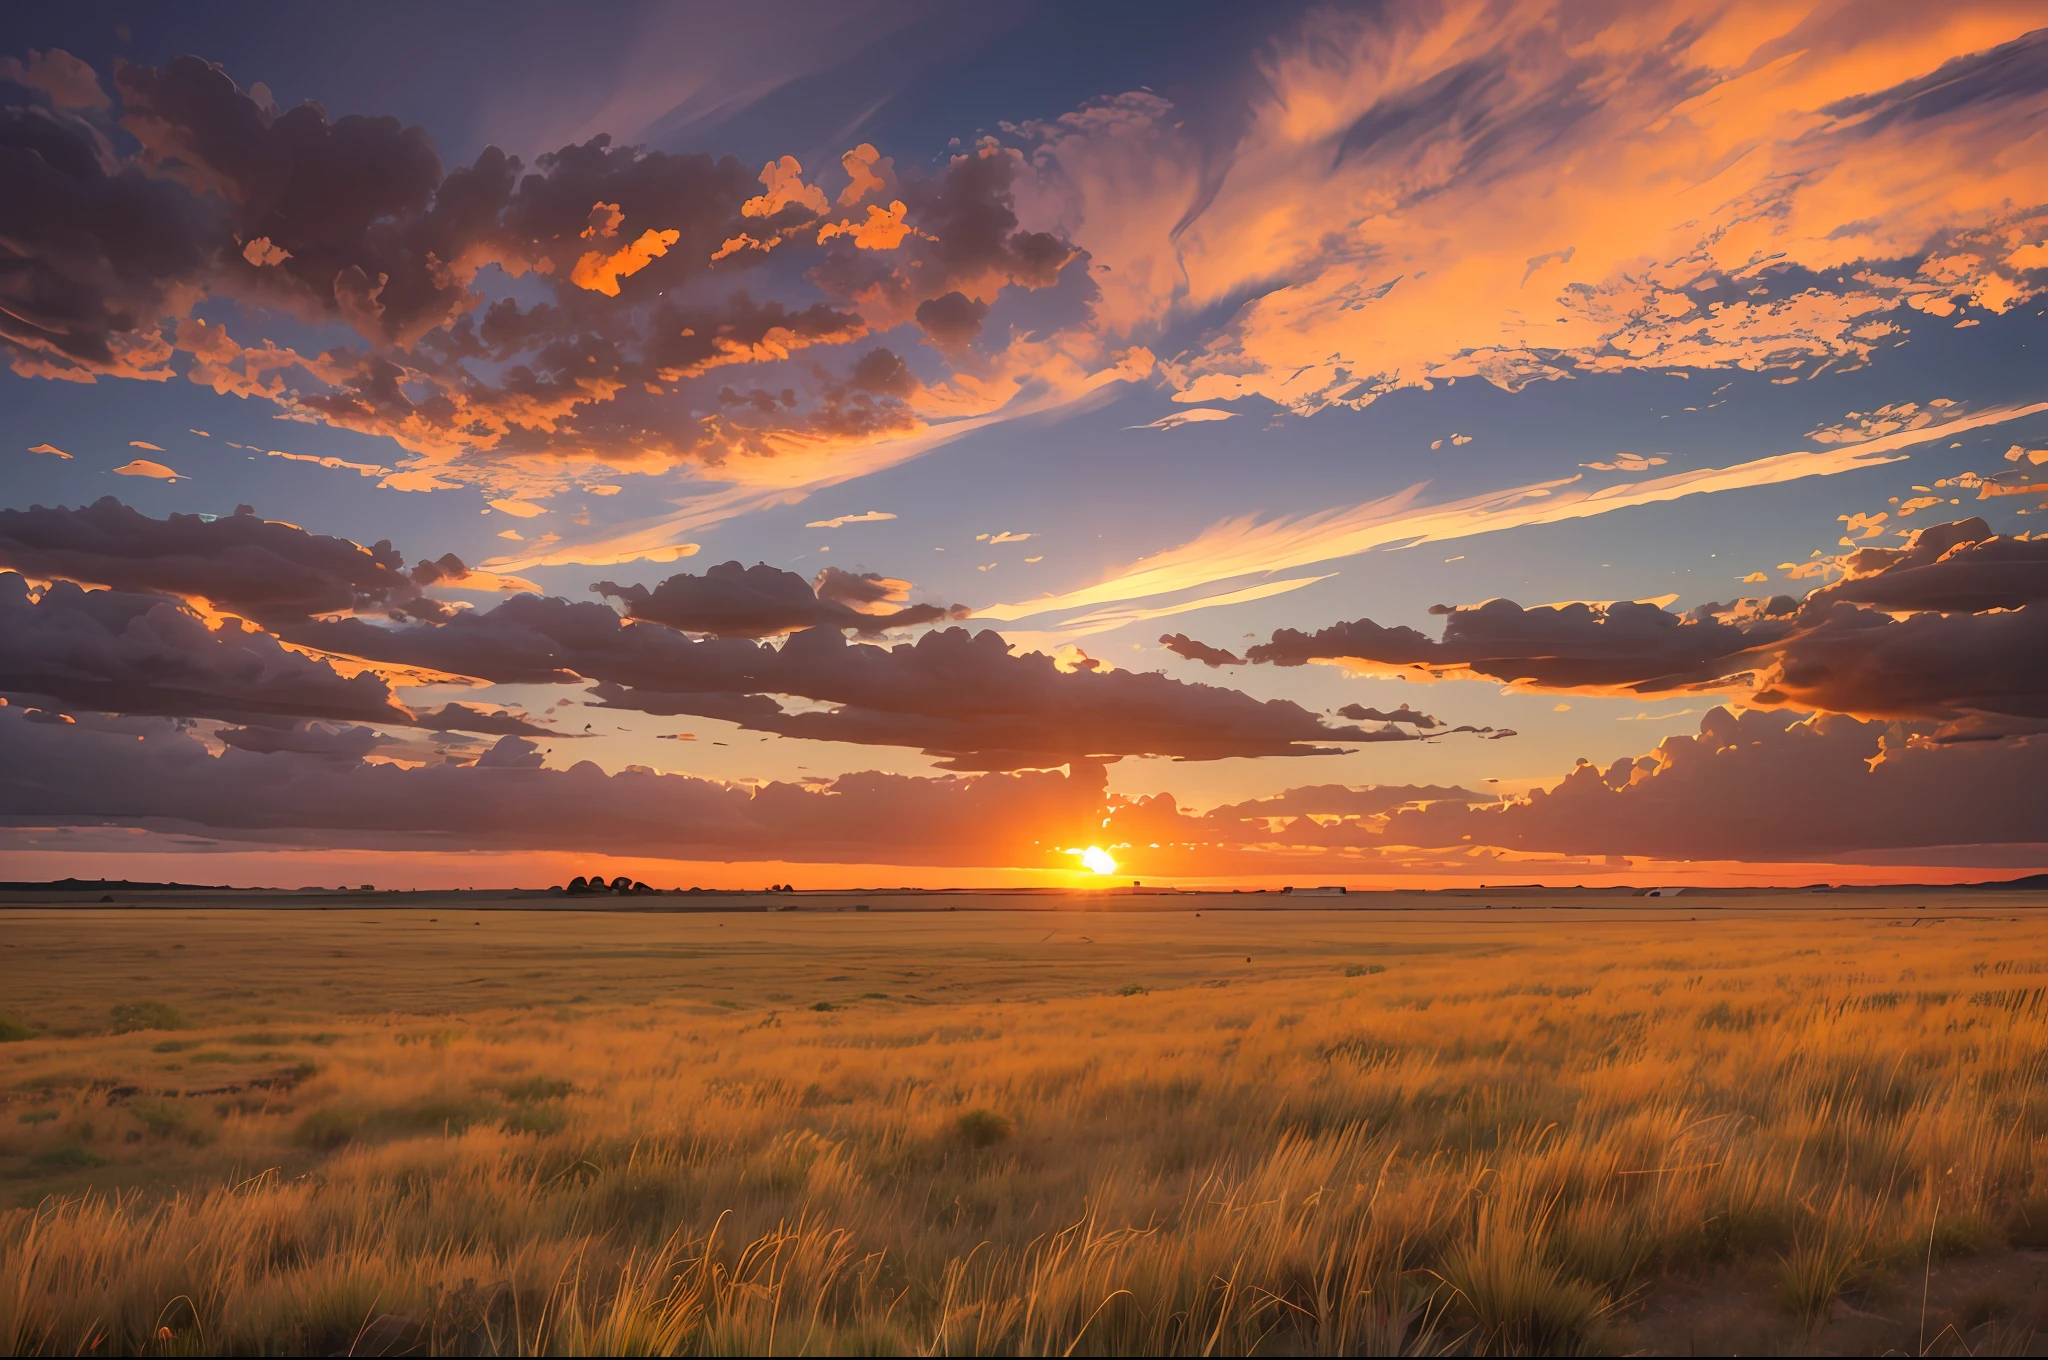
<point x="1097" y="860"/>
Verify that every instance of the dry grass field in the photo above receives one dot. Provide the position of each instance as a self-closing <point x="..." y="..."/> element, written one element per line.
<point x="1797" y="1123"/>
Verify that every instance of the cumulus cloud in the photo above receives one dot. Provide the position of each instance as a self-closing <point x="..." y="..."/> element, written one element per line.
<point x="1622" y="646"/>
<point x="1762" y="786"/>
<point x="731" y="601"/>
<point x="962" y="698"/>
<point x="266" y="571"/>
<point x="952" y="322"/>
<point x="195" y="189"/>
<point x="1950" y="567"/>
<point x="1951" y="629"/>
<point x="1180" y="644"/>
<point x="58" y="773"/>
<point x="126" y="653"/>
<point x="340" y="741"/>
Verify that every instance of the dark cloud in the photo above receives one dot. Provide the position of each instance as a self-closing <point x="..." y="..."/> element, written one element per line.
<point x="1624" y="646"/>
<point x="952" y="322"/>
<point x="467" y="718"/>
<point x="883" y="372"/>
<point x="1180" y="644"/>
<point x="1404" y="715"/>
<point x="96" y="251"/>
<point x="340" y="741"/>
<point x="118" y="227"/>
<point x="960" y="697"/>
<point x="1979" y="675"/>
<point x="1960" y="567"/>
<point x="60" y="773"/>
<point x="265" y="571"/>
<point x="969" y="247"/>
<point x="730" y="601"/>
<point x="120" y="652"/>
<point x="970" y="212"/>
<point x="1951" y="629"/>
<point x="1761" y="786"/>
<point x="127" y="653"/>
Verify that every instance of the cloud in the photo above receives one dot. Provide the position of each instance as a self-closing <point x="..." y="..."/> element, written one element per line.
<point x="1622" y="646"/>
<point x="884" y="228"/>
<point x="600" y="271"/>
<point x="1180" y="644"/>
<point x="729" y="601"/>
<point x="963" y="699"/>
<point x="339" y="741"/>
<point x="871" y="517"/>
<point x="783" y="180"/>
<point x="68" y="82"/>
<point x="354" y="223"/>
<point x="1950" y="567"/>
<point x="143" y="467"/>
<point x="1194" y="416"/>
<point x="1758" y="787"/>
<point x="1952" y="630"/>
<point x="1420" y="193"/>
<point x="49" y="448"/>
<point x="145" y="444"/>
<point x="125" y="653"/>
<point x="263" y="570"/>
<point x="952" y="322"/>
<point x="1628" y="462"/>
<point x="1403" y="714"/>
<point x="1247" y="544"/>
<point x="80" y="773"/>
<point x="867" y="171"/>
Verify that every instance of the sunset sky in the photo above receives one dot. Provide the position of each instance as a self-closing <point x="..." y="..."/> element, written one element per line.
<point x="1391" y="444"/>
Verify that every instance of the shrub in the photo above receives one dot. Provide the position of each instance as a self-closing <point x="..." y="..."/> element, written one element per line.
<point x="13" y="1031"/>
<point x="1363" y="969"/>
<point x="983" y="1128"/>
<point x="70" y="1157"/>
<point x="132" y="1016"/>
<point x="1813" y="1275"/>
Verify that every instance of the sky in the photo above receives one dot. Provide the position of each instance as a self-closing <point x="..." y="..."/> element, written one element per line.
<point x="1397" y="445"/>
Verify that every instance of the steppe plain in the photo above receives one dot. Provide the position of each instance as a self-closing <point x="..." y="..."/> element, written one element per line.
<point x="1502" y="1122"/>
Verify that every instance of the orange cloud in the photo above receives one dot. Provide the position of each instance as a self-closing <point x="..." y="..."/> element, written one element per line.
<point x="1679" y="186"/>
<point x="600" y="271"/>
<point x="143" y="467"/>
<point x="867" y="170"/>
<point x="785" y="186"/>
<point x="883" y="230"/>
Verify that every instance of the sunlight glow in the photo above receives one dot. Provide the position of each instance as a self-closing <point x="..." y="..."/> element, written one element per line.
<point x="1097" y="859"/>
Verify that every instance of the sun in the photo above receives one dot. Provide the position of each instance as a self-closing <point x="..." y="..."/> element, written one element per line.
<point x="1097" y="859"/>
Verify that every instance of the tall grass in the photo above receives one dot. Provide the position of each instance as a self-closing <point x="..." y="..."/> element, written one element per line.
<point x="1439" y="1156"/>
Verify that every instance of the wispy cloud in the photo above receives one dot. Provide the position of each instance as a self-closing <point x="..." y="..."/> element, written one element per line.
<point x="871" y="517"/>
<point x="1246" y="544"/>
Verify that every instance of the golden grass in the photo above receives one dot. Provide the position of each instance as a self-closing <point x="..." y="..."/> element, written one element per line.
<point x="1508" y="1140"/>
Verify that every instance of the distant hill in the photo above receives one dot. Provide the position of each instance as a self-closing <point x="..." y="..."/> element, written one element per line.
<point x="101" y="885"/>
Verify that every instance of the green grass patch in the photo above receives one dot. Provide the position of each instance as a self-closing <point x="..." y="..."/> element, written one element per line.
<point x="131" y="1017"/>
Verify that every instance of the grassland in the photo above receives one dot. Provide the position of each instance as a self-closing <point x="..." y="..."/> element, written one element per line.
<point x="1812" y="1124"/>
